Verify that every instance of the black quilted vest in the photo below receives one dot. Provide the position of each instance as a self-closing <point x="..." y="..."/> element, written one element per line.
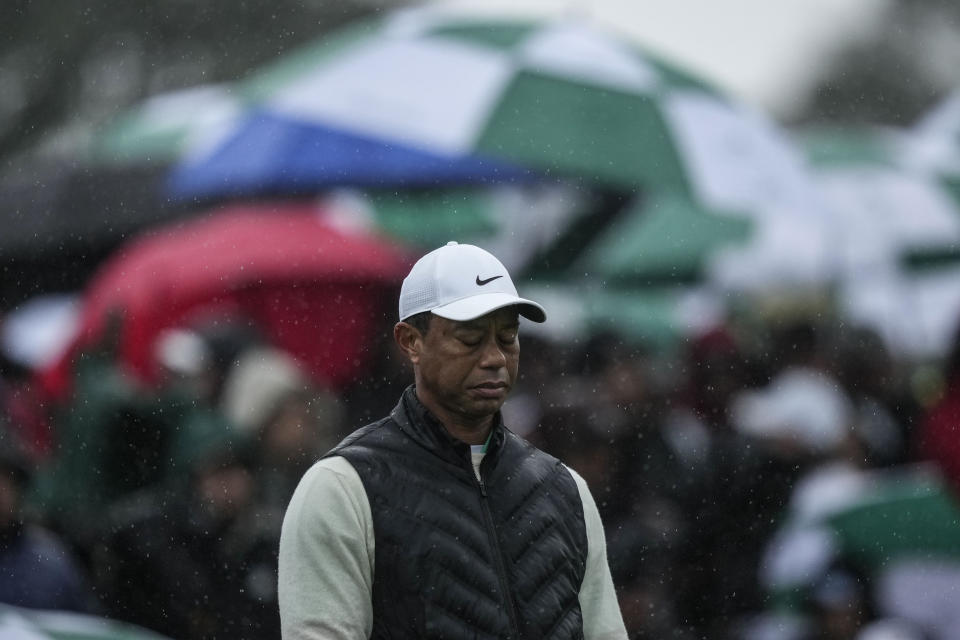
<point x="459" y="559"/>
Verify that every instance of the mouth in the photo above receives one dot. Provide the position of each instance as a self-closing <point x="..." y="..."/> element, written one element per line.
<point x="490" y="389"/>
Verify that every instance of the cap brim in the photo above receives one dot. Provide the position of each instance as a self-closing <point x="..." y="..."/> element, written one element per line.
<point x="480" y="305"/>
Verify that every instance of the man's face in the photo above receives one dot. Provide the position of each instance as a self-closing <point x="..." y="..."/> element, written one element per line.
<point x="468" y="368"/>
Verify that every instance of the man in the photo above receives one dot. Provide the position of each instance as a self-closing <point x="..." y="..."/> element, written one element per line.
<point x="437" y="521"/>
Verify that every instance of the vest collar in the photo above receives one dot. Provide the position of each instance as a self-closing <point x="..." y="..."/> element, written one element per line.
<point x="416" y="421"/>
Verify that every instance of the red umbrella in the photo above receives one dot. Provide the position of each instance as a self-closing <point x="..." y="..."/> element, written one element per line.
<point x="312" y="290"/>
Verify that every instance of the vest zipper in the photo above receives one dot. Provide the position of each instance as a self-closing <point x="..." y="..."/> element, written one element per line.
<point x="498" y="559"/>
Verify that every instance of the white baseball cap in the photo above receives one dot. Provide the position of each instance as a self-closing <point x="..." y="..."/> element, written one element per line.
<point x="462" y="282"/>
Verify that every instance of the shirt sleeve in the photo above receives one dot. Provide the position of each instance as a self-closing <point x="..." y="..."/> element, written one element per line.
<point x="602" y="619"/>
<point x="326" y="557"/>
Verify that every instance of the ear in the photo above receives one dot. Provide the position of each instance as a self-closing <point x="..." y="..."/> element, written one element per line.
<point x="409" y="339"/>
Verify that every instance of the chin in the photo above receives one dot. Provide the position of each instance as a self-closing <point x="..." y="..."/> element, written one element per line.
<point x="488" y="407"/>
<point x="480" y="407"/>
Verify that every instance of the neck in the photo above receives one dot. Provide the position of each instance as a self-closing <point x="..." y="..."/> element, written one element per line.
<point x="464" y="428"/>
<point x="471" y="434"/>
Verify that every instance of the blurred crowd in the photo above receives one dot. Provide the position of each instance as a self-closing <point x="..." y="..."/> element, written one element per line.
<point x="738" y="477"/>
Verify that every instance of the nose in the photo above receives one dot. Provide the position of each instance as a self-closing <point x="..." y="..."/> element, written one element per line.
<point x="492" y="356"/>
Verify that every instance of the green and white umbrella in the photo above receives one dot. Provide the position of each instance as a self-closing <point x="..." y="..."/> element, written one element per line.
<point x="850" y="159"/>
<point x="164" y="127"/>
<point x="935" y="142"/>
<point x="423" y="95"/>
<point x="17" y="623"/>
<point x="658" y="317"/>
<point x="667" y="239"/>
<point x="883" y="522"/>
<point x="897" y="232"/>
<point x="497" y="217"/>
<point x="631" y="295"/>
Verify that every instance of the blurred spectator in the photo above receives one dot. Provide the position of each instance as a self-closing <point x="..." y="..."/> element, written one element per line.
<point x="740" y="488"/>
<point x="716" y="371"/>
<point x="186" y="364"/>
<point x="939" y="437"/>
<point x="614" y="434"/>
<point x="883" y="410"/>
<point x="226" y="339"/>
<point x="271" y="400"/>
<point x="374" y="393"/>
<point x="37" y="570"/>
<point x="31" y="337"/>
<point x="112" y="440"/>
<point x="531" y="395"/>
<point x="841" y="605"/>
<point x="193" y="561"/>
<point x="803" y="411"/>
<point x="23" y="403"/>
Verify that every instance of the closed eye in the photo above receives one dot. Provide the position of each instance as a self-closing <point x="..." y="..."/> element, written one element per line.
<point x="470" y="340"/>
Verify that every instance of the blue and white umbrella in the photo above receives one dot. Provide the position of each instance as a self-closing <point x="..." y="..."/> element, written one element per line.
<point x="421" y="97"/>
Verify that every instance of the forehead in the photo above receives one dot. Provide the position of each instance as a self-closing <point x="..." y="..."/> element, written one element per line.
<point x="505" y="317"/>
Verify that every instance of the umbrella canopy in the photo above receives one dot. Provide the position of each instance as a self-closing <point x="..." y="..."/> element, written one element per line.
<point x="935" y="144"/>
<point x="29" y="624"/>
<point x="386" y="103"/>
<point x="310" y="289"/>
<point x="878" y="521"/>
<point x="163" y="127"/>
<point x="667" y="239"/>
<point x="496" y="217"/>
<point x="897" y="232"/>
<point x="882" y="207"/>
<point x="906" y="521"/>
<point x="657" y="317"/>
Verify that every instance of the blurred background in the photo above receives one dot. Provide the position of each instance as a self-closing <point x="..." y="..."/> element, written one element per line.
<point x="742" y="217"/>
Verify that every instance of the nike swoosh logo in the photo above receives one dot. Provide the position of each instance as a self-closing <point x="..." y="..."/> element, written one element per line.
<point x="488" y="280"/>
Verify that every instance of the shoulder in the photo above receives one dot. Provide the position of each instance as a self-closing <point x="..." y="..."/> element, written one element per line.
<point x="583" y="489"/>
<point x="524" y="460"/>
<point x="330" y="498"/>
<point x="527" y="449"/>
<point x="591" y="514"/>
<point x="363" y="437"/>
<point x="530" y="456"/>
<point x="327" y="478"/>
<point x="582" y="486"/>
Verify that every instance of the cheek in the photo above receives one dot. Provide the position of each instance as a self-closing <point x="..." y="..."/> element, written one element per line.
<point x="455" y="369"/>
<point x="513" y="364"/>
<point x="444" y="366"/>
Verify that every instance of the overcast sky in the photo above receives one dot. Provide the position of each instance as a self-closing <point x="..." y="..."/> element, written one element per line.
<point x="766" y="52"/>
